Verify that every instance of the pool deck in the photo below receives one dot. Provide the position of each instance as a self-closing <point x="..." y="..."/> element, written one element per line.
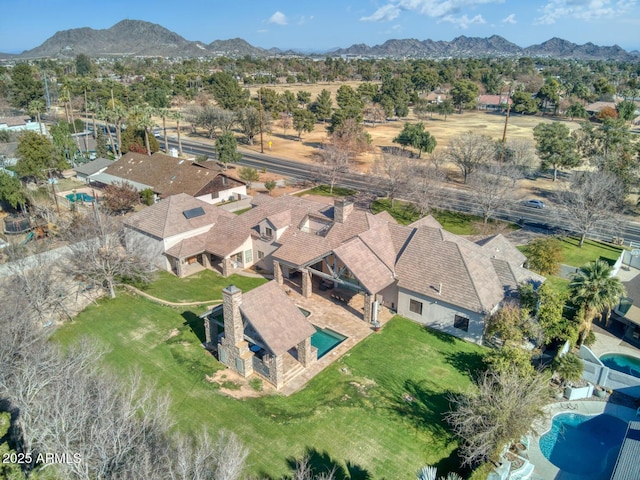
<point x="345" y="319"/>
<point x="544" y="469"/>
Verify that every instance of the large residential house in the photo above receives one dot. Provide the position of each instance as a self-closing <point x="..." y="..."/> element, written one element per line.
<point x="167" y="175"/>
<point x="20" y="123"/>
<point x="421" y="271"/>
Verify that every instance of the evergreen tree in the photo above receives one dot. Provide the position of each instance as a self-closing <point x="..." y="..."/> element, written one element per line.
<point x="227" y="149"/>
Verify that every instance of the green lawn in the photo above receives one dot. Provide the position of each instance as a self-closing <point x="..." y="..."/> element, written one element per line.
<point x="199" y="287"/>
<point x="377" y="409"/>
<point x="454" y="222"/>
<point x="325" y="191"/>
<point x="591" y="250"/>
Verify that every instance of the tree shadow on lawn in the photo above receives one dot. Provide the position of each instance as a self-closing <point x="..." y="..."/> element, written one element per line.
<point x="443" y="337"/>
<point x="423" y="407"/>
<point x="322" y="463"/>
<point x="469" y="363"/>
<point x="196" y="324"/>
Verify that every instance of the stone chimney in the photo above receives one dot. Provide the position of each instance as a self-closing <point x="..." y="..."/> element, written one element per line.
<point x="341" y="209"/>
<point x="233" y="326"/>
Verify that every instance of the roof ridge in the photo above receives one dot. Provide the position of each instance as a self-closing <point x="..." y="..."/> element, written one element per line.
<point x="466" y="267"/>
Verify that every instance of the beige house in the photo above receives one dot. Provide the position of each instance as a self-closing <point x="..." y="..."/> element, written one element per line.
<point x="167" y="176"/>
<point x="421" y="271"/>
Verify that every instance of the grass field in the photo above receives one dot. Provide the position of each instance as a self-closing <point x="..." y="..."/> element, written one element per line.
<point x="591" y="250"/>
<point x="378" y="410"/>
<point x="325" y="191"/>
<point x="454" y="222"/>
<point x="199" y="287"/>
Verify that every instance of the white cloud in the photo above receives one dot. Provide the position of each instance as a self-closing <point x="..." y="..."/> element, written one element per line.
<point x="263" y="30"/>
<point x="304" y="19"/>
<point x="386" y="13"/>
<point x="430" y="8"/>
<point x="586" y="10"/>
<point x="464" y="21"/>
<point x="510" y="19"/>
<point x="278" y="18"/>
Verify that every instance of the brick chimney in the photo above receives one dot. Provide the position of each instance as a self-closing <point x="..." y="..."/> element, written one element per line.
<point x="233" y="326"/>
<point x="341" y="209"/>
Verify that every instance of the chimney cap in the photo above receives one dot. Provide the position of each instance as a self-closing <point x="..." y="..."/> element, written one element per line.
<point x="231" y="289"/>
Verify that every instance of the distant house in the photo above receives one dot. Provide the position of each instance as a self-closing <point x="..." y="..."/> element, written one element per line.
<point x="593" y="109"/>
<point x="19" y="123"/>
<point x="167" y="175"/>
<point x="92" y="168"/>
<point x="421" y="271"/>
<point x="493" y="102"/>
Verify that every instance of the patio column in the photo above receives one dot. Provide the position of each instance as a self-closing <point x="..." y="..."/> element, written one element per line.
<point x="205" y="260"/>
<point x="226" y="267"/>
<point x="277" y="272"/>
<point x="307" y="288"/>
<point x="305" y="356"/>
<point x="276" y="371"/>
<point x="368" y="301"/>
<point x="210" y="332"/>
<point x="179" y="267"/>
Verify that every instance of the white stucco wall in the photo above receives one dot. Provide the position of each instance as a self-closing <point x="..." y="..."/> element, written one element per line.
<point x="173" y="240"/>
<point x="224" y="195"/>
<point x="440" y="315"/>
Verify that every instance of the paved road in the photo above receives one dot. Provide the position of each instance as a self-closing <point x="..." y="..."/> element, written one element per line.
<point x="548" y="219"/>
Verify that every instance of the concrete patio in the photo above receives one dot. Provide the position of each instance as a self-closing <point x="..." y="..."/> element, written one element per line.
<point x="326" y="312"/>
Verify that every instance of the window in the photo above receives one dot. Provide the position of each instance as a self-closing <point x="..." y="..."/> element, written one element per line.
<point x="248" y="256"/>
<point x="260" y="255"/>
<point x="415" y="306"/>
<point x="268" y="232"/>
<point x="461" y="323"/>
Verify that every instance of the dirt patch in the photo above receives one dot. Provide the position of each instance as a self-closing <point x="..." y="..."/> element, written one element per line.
<point x="173" y="333"/>
<point x="242" y="388"/>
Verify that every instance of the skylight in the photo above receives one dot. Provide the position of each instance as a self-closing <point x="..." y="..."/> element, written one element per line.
<point x="193" y="213"/>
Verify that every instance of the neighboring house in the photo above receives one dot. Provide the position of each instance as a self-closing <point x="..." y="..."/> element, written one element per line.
<point x="493" y="102"/>
<point x="92" y="168"/>
<point x="20" y="123"/>
<point x="422" y="271"/>
<point x="258" y="339"/>
<point x="593" y="109"/>
<point x="167" y="175"/>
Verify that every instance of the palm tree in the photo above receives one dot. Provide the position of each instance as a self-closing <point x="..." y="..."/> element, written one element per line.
<point x="164" y="113"/>
<point x="36" y="107"/>
<point x="593" y="290"/>
<point x="177" y="116"/>
<point x="430" y="473"/>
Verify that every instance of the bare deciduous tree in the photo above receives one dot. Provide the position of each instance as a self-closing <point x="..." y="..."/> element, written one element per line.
<point x="426" y="186"/>
<point x="33" y="280"/>
<point x="332" y="160"/>
<point x="492" y="186"/>
<point x="393" y="173"/>
<point x="470" y="150"/>
<point x="99" y="257"/>
<point x="499" y="409"/>
<point x="592" y="200"/>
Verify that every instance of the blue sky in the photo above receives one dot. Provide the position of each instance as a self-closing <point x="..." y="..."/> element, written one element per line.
<point x="325" y="24"/>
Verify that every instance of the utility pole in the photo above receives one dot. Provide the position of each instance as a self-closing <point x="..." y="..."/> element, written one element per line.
<point x="506" y="122"/>
<point x="260" y="110"/>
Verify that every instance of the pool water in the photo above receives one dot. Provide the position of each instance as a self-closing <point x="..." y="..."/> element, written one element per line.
<point x="584" y="445"/>
<point x="326" y="340"/>
<point x="82" y="197"/>
<point x="622" y="363"/>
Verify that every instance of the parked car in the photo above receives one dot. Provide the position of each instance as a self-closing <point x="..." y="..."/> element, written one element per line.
<point x="534" y="203"/>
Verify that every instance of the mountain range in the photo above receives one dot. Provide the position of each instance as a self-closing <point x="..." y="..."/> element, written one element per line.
<point x="140" y="38"/>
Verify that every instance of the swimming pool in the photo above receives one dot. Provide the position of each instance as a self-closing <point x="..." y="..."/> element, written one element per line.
<point x="622" y="363"/>
<point x="584" y="445"/>
<point x="325" y="340"/>
<point x="79" y="197"/>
